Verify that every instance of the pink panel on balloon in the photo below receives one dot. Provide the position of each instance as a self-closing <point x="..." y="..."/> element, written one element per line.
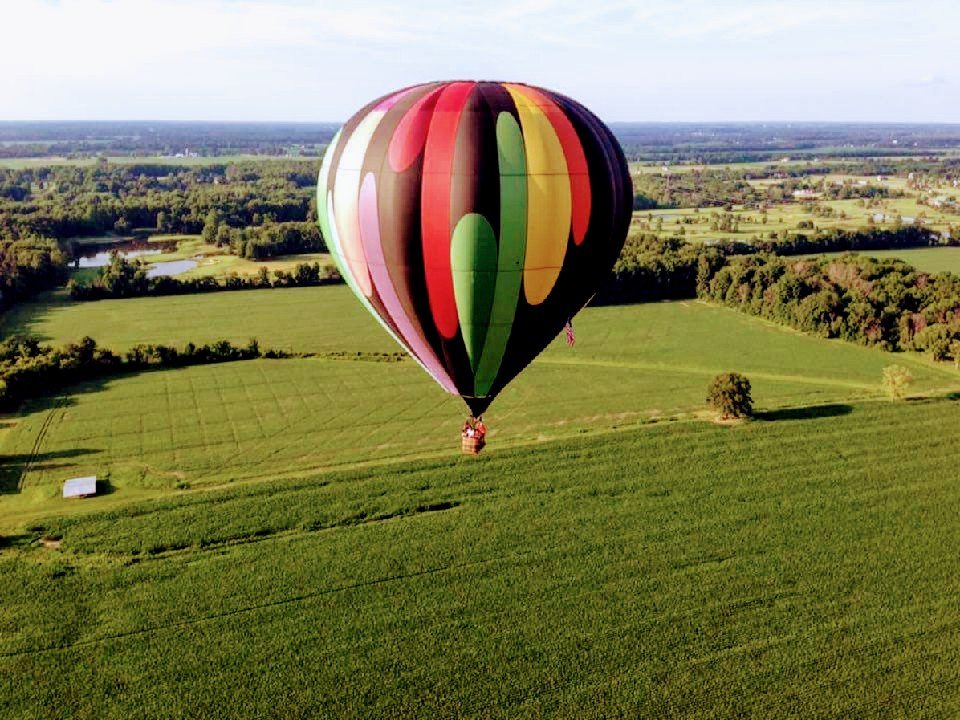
<point x="376" y="264"/>
<point x="391" y="100"/>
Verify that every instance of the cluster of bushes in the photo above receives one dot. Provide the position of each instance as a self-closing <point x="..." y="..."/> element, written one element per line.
<point x="28" y="266"/>
<point x="265" y="241"/>
<point x="122" y="278"/>
<point x="885" y="302"/>
<point x="29" y="369"/>
<point x="881" y="302"/>
<point x="651" y="268"/>
<point x="838" y="240"/>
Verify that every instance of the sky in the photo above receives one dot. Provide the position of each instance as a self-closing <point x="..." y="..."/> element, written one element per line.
<point x="627" y="60"/>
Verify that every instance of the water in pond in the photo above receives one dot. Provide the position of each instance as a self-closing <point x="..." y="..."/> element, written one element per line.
<point x="174" y="267"/>
<point x="98" y="255"/>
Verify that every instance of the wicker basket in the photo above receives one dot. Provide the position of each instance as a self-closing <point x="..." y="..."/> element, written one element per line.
<point x="473" y="445"/>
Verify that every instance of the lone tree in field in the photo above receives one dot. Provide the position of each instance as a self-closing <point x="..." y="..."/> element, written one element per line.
<point x="730" y="394"/>
<point x="896" y="381"/>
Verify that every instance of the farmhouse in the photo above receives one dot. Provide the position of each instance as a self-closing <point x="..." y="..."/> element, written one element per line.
<point x="80" y="487"/>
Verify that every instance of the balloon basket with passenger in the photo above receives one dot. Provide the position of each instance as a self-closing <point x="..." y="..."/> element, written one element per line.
<point x="473" y="436"/>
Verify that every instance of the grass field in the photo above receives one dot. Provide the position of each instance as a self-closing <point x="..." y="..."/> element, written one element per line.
<point x="146" y="434"/>
<point x="938" y="259"/>
<point x="302" y="538"/>
<point x="799" y="567"/>
<point x="219" y="265"/>
<point x="213" y="261"/>
<point x="941" y="259"/>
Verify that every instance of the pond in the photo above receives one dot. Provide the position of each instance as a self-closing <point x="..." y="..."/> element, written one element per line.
<point x="94" y="255"/>
<point x="173" y="267"/>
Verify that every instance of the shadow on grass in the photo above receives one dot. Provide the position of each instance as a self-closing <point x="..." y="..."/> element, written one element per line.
<point x="12" y="467"/>
<point x="104" y="487"/>
<point x="805" y="413"/>
<point x="12" y="541"/>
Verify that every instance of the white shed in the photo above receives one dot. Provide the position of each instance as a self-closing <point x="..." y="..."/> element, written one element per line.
<point x="80" y="487"/>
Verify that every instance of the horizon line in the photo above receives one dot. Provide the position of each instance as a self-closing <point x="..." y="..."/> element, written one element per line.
<point x="608" y="122"/>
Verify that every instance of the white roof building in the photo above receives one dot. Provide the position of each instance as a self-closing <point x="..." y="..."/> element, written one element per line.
<point x="80" y="487"/>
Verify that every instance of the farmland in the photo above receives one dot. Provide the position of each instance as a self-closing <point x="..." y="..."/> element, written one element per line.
<point x="672" y="571"/>
<point x="301" y="537"/>
<point x="695" y="225"/>
<point x="935" y="259"/>
<point x="147" y="434"/>
<point x="214" y="261"/>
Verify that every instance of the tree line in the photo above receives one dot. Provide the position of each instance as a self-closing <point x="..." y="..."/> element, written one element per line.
<point x="29" y="369"/>
<point x="728" y="187"/>
<point x="123" y="278"/>
<point x="264" y="241"/>
<point x="879" y="302"/>
<point x="29" y="265"/>
<point x="64" y="202"/>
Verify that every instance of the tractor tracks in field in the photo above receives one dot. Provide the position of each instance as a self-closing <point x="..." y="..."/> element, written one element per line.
<point x="57" y="410"/>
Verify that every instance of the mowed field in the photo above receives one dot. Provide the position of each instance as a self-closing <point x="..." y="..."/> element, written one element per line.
<point x="215" y="261"/>
<point x="928" y="259"/>
<point x="800" y="567"/>
<point x="938" y="259"/>
<point x="301" y="538"/>
<point x="159" y="432"/>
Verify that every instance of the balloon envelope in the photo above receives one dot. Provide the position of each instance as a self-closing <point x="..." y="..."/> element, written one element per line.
<point x="474" y="219"/>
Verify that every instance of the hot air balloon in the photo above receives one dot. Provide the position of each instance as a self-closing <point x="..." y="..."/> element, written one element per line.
<point x="473" y="220"/>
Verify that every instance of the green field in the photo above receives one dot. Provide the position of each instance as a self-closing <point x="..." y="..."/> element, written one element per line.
<point x="799" y="567"/>
<point x="938" y="259"/>
<point x="148" y="433"/>
<point x="929" y="259"/>
<point x="302" y="537"/>
<point x="212" y="260"/>
<point x="220" y="265"/>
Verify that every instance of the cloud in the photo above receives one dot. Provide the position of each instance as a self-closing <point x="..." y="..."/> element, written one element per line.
<point x="302" y="59"/>
<point x="928" y="80"/>
<point x="698" y="20"/>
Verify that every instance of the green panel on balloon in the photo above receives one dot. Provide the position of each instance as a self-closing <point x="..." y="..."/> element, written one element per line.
<point x="473" y="259"/>
<point x="513" y="230"/>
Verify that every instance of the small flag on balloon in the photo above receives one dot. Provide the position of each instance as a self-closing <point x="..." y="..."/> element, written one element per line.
<point x="571" y="339"/>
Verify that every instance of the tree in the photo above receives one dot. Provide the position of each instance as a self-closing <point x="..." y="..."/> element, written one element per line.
<point x="210" y="226"/>
<point x="939" y="349"/>
<point x="955" y="353"/>
<point x="730" y="394"/>
<point x="896" y="380"/>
